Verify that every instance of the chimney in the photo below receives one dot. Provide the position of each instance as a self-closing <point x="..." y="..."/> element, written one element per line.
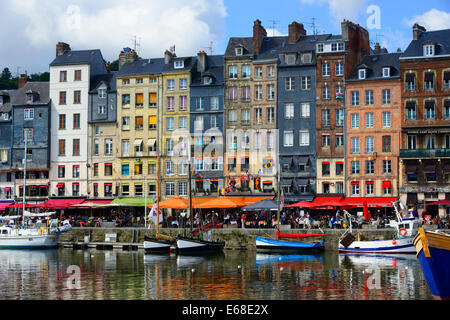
<point x="167" y="56"/>
<point x="127" y="55"/>
<point x="201" y="61"/>
<point x="296" y="30"/>
<point x="377" y="48"/>
<point x="258" y="35"/>
<point x="417" y="31"/>
<point x="22" y="81"/>
<point x="61" y="47"/>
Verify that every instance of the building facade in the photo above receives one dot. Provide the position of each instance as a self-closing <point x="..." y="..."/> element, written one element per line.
<point x="425" y="146"/>
<point x="7" y="177"/>
<point x="71" y="73"/>
<point x="373" y="127"/>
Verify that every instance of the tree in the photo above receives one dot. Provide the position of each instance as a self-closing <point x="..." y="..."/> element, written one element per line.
<point x="6" y="74"/>
<point x="114" y="66"/>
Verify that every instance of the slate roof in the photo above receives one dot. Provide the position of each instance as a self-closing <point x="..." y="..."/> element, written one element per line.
<point x="214" y="67"/>
<point x="108" y="78"/>
<point x="141" y="66"/>
<point x="189" y="63"/>
<point x="42" y="88"/>
<point x="375" y="63"/>
<point x="7" y="107"/>
<point x="440" y="37"/>
<point x="246" y="43"/>
<point x="77" y="57"/>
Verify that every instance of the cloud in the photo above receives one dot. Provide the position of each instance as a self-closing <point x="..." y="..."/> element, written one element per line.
<point x="271" y="32"/>
<point x="109" y="25"/>
<point x="432" y="20"/>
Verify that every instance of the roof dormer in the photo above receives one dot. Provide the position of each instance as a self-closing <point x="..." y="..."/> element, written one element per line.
<point x="429" y="49"/>
<point x="386" y="72"/>
<point x="32" y="96"/>
<point x="178" y="64"/>
<point x="239" y="50"/>
<point x="362" y="73"/>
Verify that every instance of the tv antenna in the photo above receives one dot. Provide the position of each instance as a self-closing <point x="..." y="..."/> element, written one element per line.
<point x="210" y="48"/>
<point x="136" y="43"/>
<point x="314" y="26"/>
<point x="172" y="49"/>
<point x="274" y="24"/>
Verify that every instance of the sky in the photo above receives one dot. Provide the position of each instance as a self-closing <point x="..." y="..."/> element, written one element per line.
<point x="30" y="29"/>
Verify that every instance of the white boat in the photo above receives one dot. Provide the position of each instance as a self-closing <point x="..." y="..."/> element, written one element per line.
<point x="406" y="229"/>
<point x="192" y="245"/>
<point x="14" y="237"/>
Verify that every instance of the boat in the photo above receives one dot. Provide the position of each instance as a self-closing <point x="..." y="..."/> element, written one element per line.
<point x="433" y="251"/>
<point x="278" y="245"/>
<point x="158" y="245"/>
<point x="406" y="229"/>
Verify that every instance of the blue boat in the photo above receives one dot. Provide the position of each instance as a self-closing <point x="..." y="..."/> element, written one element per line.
<point x="433" y="251"/>
<point x="265" y="244"/>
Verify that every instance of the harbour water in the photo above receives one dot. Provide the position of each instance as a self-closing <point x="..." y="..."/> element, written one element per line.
<point x="233" y="275"/>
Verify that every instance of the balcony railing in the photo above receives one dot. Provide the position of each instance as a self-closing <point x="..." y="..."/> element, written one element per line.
<point x="424" y="153"/>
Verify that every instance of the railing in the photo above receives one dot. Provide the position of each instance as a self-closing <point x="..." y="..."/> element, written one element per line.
<point x="424" y="153"/>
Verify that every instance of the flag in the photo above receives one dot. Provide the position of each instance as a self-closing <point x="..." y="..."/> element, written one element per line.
<point x="154" y="214"/>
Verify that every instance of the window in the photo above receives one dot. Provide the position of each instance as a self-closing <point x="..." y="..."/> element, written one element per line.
<point x="369" y="97"/>
<point x="290" y="58"/>
<point x="369" y="120"/>
<point x="355" y="98"/>
<point x="246" y="71"/>
<point x="108" y="146"/>
<point x="183" y="84"/>
<point x="387" y="167"/>
<point x="4" y="155"/>
<point x="28" y="114"/>
<point x="95" y="170"/>
<point x="339" y="140"/>
<point x="270" y="71"/>
<point x="125" y="169"/>
<point x="232" y="164"/>
<point x="290" y="83"/>
<point x="139" y="123"/>
<point x="410" y="81"/>
<point x="339" y="168"/>
<point x="270" y="115"/>
<point x="355" y="145"/>
<point x="126" y="82"/>
<point x="62" y="97"/>
<point x="429" y="81"/>
<point x="325" y="140"/>
<point x="101" y="109"/>
<point x="152" y="120"/>
<point x="305" y="110"/>
<point x="77" y="97"/>
<point x="183" y="122"/>
<point x="447" y="141"/>
<point x="232" y="93"/>
<point x="326" y="93"/>
<point x="339" y="68"/>
<point x="362" y="74"/>
<point x="270" y="140"/>
<point x="258" y="116"/>
<point x="446" y="79"/>
<point x="179" y="64"/>
<point x="153" y="99"/>
<point x="412" y="142"/>
<point x="139" y="81"/>
<point x="138" y="168"/>
<point x="169" y="168"/>
<point x="325" y="168"/>
<point x="245" y="117"/>
<point x="304" y="138"/>
<point x="326" y="118"/>
<point x="428" y="50"/>
<point x="270" y="92"/>
<point x="62" y="122"/>
<point x="232" y="116"/>
<point x="96" y="147"/>
<point x="151" y="168"/>
<point x="370" y="188"/>
<point x="386" y="144"/>
<point x="61" y="172"/>
<point x="75" y="189"/>
<point x="61" y="147"/>
<point x="339" y="90"/>
<point x="430" y="142"/>
<point x="355" y="188"/>
<point x="63" y="76"/>
<point x="355" y="167"/>
<point x="198" y="123"/>
<point x="258" y="72"/>
<point x="139" y="99"/>
<point x="232" y="72"/>
<point x="200" y="103"/>
<point x="355" y="120"/>
<point x="369" y="144"/>
<point x="76" y="147"/>
<point x="77" y="75"/>
<point x="246" y="93"/>
<point x="28" y="133"/>
<point x="170" y="103"/>
<point x="386" y="96"/>
<point x="76" y="121"/>
<point x="289" y="111"/>
<point x="430" y="110"/>
<point x="320" y="47"/>
<point x="125" y="189"/>
<point x="76" y="171"/>
<point x="126" y="122"/>
<point x="370" y="166"/>
<point x="411" y="113"/>
<point x="258" y="92"/>
<point x="125" y="99"/>
<point x="169" y="146"/>
<point x="182" y="189"/>
<point x="170" y="84"/>
<point x="325" y="69"/>
<point x="306" y="83"/>
<point x="447" y="109"/>
<point x="288" y="138"/>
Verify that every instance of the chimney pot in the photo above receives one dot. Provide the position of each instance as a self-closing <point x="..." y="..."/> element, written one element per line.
<point x="61" y="47"/>
<point x="296" y="30"/>
<point x="23" y="79"/>
<point x="258" y="35"/>
<point x="417" y="31"/>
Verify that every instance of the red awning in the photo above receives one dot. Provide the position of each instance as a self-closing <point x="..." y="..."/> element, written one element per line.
<point x="386" y="184"/>
<point x="4" y="205"/>
<point x="372" y="202"/>
<point x="370" y="182"/>
<point x="61" y="203"/>
<point x="7" y="189"/>
<point x="441" y="202"/>
<point x="59" y="185"/>
<point x="355" y="182"/>
<point x="326" y="162"/>
<point x="97" y="201"/>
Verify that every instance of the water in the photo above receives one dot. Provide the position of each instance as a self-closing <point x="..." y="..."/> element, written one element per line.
<point x="119" y="275"/>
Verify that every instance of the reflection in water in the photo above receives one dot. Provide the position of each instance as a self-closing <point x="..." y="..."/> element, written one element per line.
<point x="123" y="275"/>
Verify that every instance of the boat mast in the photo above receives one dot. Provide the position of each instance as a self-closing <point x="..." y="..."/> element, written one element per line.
<point x="278" y="198"/>
<point x="190" y="199"/>
<point x="157" y="190"/>
<point x="24" y="178"/>
<point x="145" y="202"/>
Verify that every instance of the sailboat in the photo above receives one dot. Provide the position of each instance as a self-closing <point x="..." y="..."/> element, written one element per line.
<point x="278" y="245"/>
<point x="195" y="245"/>
<point x="21" y="236"/>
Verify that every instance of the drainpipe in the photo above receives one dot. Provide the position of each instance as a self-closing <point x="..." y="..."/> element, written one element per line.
<point x="345" y="130"/>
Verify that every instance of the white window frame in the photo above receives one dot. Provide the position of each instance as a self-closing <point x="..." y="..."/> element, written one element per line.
<point x="288" y="139"/>
<point x="361" y="74"/>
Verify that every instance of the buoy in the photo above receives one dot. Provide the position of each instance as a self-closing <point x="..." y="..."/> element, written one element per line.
<point x="394" y="242"/>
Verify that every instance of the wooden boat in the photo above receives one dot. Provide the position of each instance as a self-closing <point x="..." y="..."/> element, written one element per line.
<point x="158" y="245"/>
<point x="433" y="251"/>
<point x="192" y="245"/>
<point x="271" y="245"/>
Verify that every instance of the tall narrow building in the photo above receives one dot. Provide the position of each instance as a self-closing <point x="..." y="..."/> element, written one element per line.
<point x="71" y="74"/>
<point x="425" y="149"/>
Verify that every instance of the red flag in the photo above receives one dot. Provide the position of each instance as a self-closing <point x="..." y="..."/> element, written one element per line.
<point x="366" y="211"/>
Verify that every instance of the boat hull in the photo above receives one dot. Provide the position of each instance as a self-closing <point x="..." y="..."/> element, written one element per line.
<point x="402" y="245"/>
<point x="269" y="245"/>
<point x="433" y="251"/>
<point x="29" y="242"/>
<point x="153" y="245"/>
<point x="188" y="245"/>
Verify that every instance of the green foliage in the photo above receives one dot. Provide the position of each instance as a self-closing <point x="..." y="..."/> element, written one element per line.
<point x="114" y="66"/>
